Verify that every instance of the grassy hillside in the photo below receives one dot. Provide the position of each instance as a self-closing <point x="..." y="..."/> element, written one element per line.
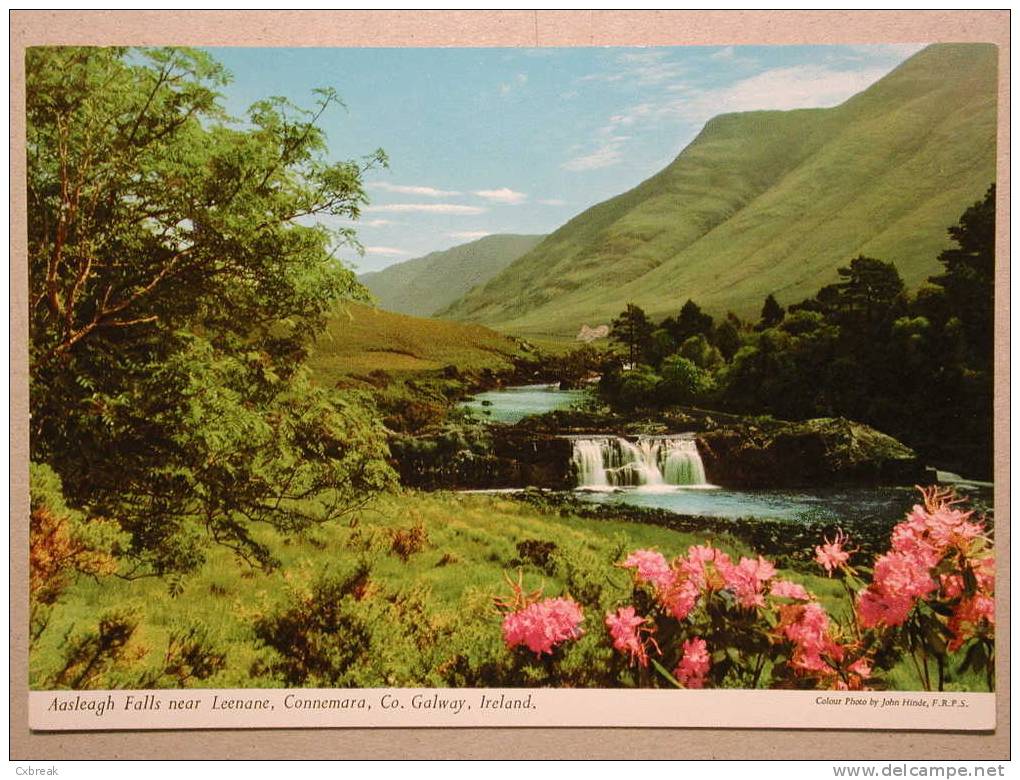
<point x="427" y="284"/>
<point x="771" y="202"/>
<point x="364" y="339"/>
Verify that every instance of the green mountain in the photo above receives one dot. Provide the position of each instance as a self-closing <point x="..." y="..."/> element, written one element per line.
<point x="427" y="284"/>
<point x="771" y="202"/>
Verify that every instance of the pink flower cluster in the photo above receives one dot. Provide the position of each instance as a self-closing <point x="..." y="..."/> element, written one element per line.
<point x="930" y="535"/>
<point x="543" y="625"/>
<point x="625" y="629"/>
<point x="679" y="585"/>
<point x="831" y="555"/>
<point x="816" y="653"/>
<point x="694" y="665"/>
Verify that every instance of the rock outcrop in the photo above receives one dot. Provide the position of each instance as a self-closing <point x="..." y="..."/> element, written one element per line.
<point x="813" y="453"/>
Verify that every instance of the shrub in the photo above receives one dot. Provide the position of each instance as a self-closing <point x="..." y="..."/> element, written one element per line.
<point x="62" y="546"/>
<point x="707" y="620"/>
<point x="99" y="657"/>
<point x="405" y="542"/>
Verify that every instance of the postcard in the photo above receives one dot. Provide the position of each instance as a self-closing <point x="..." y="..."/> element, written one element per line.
<point x="639" y="384"/>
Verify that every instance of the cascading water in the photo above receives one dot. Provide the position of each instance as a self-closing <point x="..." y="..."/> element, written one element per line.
<point x="612" y="461"/>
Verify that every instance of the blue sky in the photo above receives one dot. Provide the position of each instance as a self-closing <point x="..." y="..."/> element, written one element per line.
<point x="520" y="140"/>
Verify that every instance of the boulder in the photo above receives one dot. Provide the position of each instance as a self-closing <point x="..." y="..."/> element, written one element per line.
<point x="813" y="453"/>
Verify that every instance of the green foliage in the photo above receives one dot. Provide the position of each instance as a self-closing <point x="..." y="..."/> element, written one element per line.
<point x="771" y="313"/>
<point x="969" y="276"/>
<point x="98" y="658"/>
<point x="174" y="290"/>
<point x="62" y="546"/>
<point x="701" y="353"/>
<point x="684" y="381"/>
<point x="727" y="337"/>
<point x="632" y="389"/>
<point x="691" y="322"/>
<point x="633" y="331"/>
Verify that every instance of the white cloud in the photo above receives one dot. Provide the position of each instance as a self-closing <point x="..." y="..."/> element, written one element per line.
<point x="375" y="223"/>
<point x="469" y="234"/>
<point x="902" y="50"/>
<point x="385" y="250"/>
<point x="603" y="157"/>
<point x="411" y="189"/>
<point x="644" y="68"/>
<point x="641" y="56"/>
<point x="502" y="195"/>
<point x="552" y="202"/>
<point x="802" y="86"/>
<point x="424" y="208"/>
<point x="607" y="153"/>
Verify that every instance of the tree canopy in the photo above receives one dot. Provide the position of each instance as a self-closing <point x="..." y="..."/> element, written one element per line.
<point x="177" y="277"/>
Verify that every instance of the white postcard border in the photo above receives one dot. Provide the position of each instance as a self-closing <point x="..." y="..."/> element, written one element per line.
<point x="507" y="707"/>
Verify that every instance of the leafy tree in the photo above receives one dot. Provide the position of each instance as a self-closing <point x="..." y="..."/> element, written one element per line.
<point x="771" y="313"/>
<point x="699" y="351"/>
<point x="691" y="321"/>
<point x="683" y="381"/>
<point x="727" y="337"/>
<point x="867" y="291"/>
<point x="661" y="346"/>
<point x="637" y="388"/>
<point x="175" y="285"/>
<point x="969" y="276"/>
<point x="633" y="330"/>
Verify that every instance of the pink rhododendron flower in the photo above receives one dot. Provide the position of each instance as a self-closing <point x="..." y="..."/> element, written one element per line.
<point x="790" y="590"/>
<point x="543" y="625"/>
<point x="625" y="629"/>
<point x="681" y="599"/>
<point x="831" y="555"/>
<point x="703" y="565"/>
<point x="651" y="567"/>
<point x="746" y="579"/>
<point x="876" y="609"/>
<point x="694" y="665"/>
<point x="861" y="667"/>
<point x="969" y="615"/>
<point x="900" y="579"/>
<point x="984" y="570"/>
<point x="809" y="632"/>
<point x="901" y="574"/>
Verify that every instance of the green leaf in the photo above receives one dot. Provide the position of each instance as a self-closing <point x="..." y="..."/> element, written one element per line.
<point x="665" y="673"/>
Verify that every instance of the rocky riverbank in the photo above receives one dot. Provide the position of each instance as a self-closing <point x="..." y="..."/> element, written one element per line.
<point x="736" y="452"/>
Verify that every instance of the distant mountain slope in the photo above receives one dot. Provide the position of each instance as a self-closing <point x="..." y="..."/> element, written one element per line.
<point x="427" y="284"/>
<point x="771" y="202"/>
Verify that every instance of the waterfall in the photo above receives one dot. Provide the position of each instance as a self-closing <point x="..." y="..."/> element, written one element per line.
<point x="588" y="466"/>
<point x="612" y="461"/>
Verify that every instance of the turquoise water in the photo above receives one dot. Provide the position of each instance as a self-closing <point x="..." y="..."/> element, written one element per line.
<point x="513" y="404"/>
<point x="818" y="505"/>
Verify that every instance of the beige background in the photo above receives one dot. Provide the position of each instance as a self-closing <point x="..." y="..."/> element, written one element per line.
<point x="490" y="28"/>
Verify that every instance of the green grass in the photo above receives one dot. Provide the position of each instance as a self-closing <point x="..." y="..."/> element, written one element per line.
<point x="771" y="202"/>
<point x="480" y="532"/>
<point x="472" y="543"/>
<point x="365" y="339"/>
